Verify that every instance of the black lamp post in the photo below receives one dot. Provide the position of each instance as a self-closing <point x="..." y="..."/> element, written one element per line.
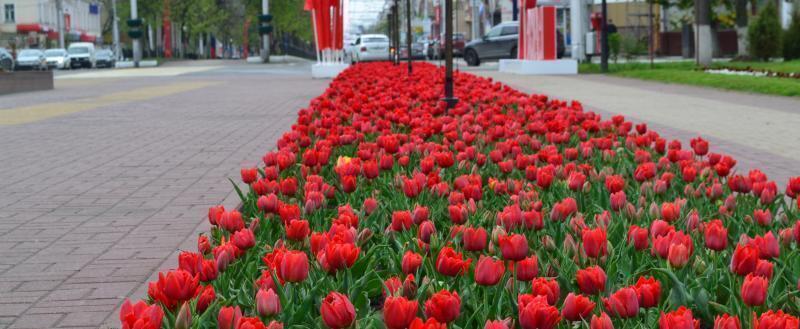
<point x="448" y="55"/>
<point x="408" y="33"/>
<point x="604" y="39"/>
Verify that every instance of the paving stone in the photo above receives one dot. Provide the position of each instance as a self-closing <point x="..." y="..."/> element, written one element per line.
<point x="93" y="202"/>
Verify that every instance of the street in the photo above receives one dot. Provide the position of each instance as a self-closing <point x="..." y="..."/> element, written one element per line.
<point x="107" y="175"/>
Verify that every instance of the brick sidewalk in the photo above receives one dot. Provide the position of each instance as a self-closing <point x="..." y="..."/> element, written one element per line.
<point x="758" y="131"/>
<point x="94" y="202"/>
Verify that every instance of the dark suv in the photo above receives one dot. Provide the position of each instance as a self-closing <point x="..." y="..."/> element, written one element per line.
<point x="500" y="42"/>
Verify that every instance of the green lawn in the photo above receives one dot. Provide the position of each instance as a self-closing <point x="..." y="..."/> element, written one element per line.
<point x="685" y="73"/>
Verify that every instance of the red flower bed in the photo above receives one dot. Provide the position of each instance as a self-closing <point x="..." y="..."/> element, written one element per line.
<point x="381" y="209"/>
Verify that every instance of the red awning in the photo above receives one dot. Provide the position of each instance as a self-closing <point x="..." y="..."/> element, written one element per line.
<point x="26" y="28"/>
<point x="88" y="38"/>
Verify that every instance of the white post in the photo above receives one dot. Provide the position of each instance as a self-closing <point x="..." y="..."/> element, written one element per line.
<point x="576" y="14"/>
<point x="316" y="39"/>
<point x="265" y="37"/>
<point x="476" y="29"/>
<point x="137" y="43"/>
<point x="115" y="26"/>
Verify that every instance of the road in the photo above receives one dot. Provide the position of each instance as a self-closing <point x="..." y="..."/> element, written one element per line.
<point x="106" y="176"/>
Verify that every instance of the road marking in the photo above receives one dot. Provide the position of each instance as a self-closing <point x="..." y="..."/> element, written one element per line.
<point x="33" y="113"/>
<point x="134" y="73"/>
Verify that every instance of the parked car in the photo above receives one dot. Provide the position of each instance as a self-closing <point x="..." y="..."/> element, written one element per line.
<point x="6" y="60"/>
<point x="57" y="58"/>
<point x="81" y="54"/>
<point x="436" y="47"/>
<point x="417" y="50"/>
<point x="501" y="42"/>
<point x="370" y="47"/>
<point x="105" y="58"/>
<point x="31" y="59"/>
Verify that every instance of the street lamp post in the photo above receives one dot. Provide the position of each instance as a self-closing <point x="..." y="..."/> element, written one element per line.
<point x="396" y="33"/>
<point x="265" y="36"/>
<point x="408" y="34"/>
<point x="449" y="99"/>
<point x="137" y="43"/>
<point x="604" y="39"/>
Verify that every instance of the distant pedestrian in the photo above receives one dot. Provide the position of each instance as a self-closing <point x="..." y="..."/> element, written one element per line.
<point x="610" y="27"/>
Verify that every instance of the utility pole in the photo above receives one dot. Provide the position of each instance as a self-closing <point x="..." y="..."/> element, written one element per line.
<point x="449" y="99"/>
<point x="60" y="22"/>
<point x="408" y="34"/>
<point x="604" y="39"/>
<point x="137" y="42"/>
<point x="265" y="36"/>
<point x="396" y="32"/>
<point x="576" y="14"/>
<point x="115" y="26"/>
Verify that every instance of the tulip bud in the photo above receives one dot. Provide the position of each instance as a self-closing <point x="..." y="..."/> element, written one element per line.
<point x="496" y="233"/>
<point x="364" y="236"/>
<point x="184" y="318"/>
<point x="548" y="243"/>
<point x="267" y="303"/>
<point x="699" y="266"/>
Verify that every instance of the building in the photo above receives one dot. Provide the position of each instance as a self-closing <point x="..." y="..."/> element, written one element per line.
<point x="34" y="23"/>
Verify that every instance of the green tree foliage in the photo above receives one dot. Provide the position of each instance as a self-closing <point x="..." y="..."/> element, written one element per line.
<point x="764" y="33"/>
<point x="288" y="16"/>
<point x="791" y="42"/>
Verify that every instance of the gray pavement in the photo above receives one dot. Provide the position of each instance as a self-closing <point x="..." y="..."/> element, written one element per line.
<point x="114" y="170"/>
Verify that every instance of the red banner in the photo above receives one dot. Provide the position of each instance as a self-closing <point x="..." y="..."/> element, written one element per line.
<point x="537" y="33"/>
<point x="328" y="22"/>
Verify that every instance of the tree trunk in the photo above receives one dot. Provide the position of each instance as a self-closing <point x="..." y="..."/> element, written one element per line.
<point x="741" y="27"/>
<point x="704" y="42"/>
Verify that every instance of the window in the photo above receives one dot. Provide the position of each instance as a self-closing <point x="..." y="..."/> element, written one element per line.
<point x="509" y="30"/>
<point x="9" y="12"/>
<point x="494" y="32"/>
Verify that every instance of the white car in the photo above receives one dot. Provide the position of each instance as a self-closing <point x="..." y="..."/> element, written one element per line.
<point x="370" y="47"/>
<point x="57" y="58"/>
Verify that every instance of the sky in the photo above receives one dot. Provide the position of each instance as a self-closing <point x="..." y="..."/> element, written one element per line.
<point x="362" y="12"/>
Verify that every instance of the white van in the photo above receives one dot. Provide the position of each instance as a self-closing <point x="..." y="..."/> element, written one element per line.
<point x="81" y="54"/>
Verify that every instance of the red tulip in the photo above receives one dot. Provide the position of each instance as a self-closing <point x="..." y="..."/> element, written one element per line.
<point x="249" y="175"/>
<point x="527" y="269"/>
<point x="411" y="262"/>
<point x="497" y="324"/>
<point x="243" y="239"/>
<point x="577" y="307"/>
<point x="294" y="266"/>
<point x="338" y="255"/>
<point x="205" y="298"/>
<point x="546" y="287"/>
<point x="229" y="317"/>
<point x="231" y="221"/>
<point x="678" y="255"/>
<point x="618" y="200"/>
<point x="775" y="320"/>
<point x="744" y="259"/>
<point x="425" y="231"/>
<point x="488" y="271"/>
<point x="337" y="311"/>
<point x="474" y="239"/>
<point x="140" y="315"/>
<point x="754" y="290"/>
<point x="420" y="214"/>
<point x="648" y="291"/>
<point x="764" y="268"/>
<point x="716" y="235"/>
<point x="638" y="237"/>
<point x="399" y="312"/>
<point x="595" y="243"/>
<point x="431" y="323"/>
<point x="203" y="245"/>
<point x="451" y="263"/>
<point x="174" y="288"/>
<point x="537" y="313"/>
<point x="401" y="220"/>
<point x="624" y="303"/>
<point x="678" y="319"/>
<point x="268" y="203"/>
<point x="700" y="146"/>
<point x="513" y="247"/>
<point x="214" y="214"/>
<point x="601" y="322"/>
<point x="670" y="211"/>
<point x="443" y="306"/>
<point x="297" y="229"/>
<point x="267" y="303"/>
<point x="614" y="183"/>
<point x="727" y="322"/>
<point x="591" y="280"/>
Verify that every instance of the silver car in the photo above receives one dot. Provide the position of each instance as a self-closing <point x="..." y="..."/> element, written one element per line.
<point x="499" y="42"/>
<point x="32" y="59"/>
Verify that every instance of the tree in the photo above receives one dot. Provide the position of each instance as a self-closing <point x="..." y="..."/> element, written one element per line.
<point x="705" y="45"/>
<point x="791" y="42"/>
<point x="764" y="34"/>
<point x="741" y="26"/>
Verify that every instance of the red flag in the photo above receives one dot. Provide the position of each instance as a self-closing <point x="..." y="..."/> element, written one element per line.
<point x="309" y="5"/>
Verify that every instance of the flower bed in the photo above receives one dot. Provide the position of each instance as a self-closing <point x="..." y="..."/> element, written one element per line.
<point x="749" y="71"/>
<point x="381" y="209"/>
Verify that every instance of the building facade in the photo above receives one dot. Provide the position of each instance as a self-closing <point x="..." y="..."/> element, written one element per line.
<point x="34" y="23"/>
